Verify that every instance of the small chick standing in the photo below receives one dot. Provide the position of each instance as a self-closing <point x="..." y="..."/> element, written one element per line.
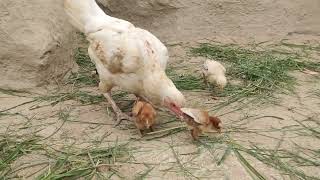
<point x="199" y="121"/>
<point x="144" y="116"/>
<point x="214" y="73"/>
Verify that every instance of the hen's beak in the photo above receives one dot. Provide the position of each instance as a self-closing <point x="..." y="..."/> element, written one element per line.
<point x="177" y="111"/>
<point x="174" y="109"/>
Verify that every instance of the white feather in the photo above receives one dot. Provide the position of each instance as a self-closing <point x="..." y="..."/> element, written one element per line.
<point x="88" y="17"/>
<point x="188" y="111"/>
<point x="194" y="113"/>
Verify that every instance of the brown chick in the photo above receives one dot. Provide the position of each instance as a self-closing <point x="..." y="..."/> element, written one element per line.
<point x="144" y="116"/>
<point x="200" y="121"/>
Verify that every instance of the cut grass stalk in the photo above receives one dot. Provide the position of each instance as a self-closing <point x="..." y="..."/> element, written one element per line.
<point x="165" y="133"/>
<point x="86" y="67"/>
<point x="186" y="81"/>
<point x="84" y="98"/>
<point x="285" y="161"/>
<point x="86" y="162"/>
<point x="14" y="92"/>
<point x="315" y="131"/>
<point x="19" y="105"/>
<point x="167" y="130"/>
<point x="64" y="116"/>
<point x="184" y="170"/>
<point x="276" y="160"/>
<point x="13" y="147"/>
<point x="224" y="156"/>
<point x="250" y="169"/>
<point x="303" y="47"/>
<point x="143" y="175"/>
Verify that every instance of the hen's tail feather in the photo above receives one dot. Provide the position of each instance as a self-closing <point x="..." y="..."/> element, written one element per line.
<point x="88" y="17"/>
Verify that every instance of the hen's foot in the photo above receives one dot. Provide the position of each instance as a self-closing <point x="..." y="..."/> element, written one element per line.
<point x="120" y="117"/>
<point x="119" y="114"/>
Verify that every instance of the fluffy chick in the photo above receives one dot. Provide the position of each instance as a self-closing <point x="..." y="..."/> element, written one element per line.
<point x="200" y="121"/>
<point x="214" y="73"/>
<point x="144" y="116"/>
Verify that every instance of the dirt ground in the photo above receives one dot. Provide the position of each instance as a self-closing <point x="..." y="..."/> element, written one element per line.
<point x="266" y="140"/>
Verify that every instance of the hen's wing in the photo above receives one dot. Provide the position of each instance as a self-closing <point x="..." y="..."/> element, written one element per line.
<point x="115" y="51"/>
<point x="153" y="44"/>
<point x="127" y="52"/>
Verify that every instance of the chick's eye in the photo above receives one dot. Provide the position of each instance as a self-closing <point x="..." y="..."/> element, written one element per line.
<point x="205" y="67"/>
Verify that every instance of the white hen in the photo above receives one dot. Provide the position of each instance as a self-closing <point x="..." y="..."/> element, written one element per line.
<point x="125" y="56"/>
<point x="214" y="73"/>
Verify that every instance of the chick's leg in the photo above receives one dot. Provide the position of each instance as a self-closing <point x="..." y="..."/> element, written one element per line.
<point x="195" y="132"/>
<point x="141" y="132"/>
<point x="119" y="114"/>
<point x="205" y="81"/>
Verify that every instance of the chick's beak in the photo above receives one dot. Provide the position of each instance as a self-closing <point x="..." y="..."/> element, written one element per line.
<point x="148" y="123"/>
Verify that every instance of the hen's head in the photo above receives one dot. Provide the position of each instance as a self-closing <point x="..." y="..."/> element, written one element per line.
<point x="174" y="100"/>
<point x="160" y="90"/>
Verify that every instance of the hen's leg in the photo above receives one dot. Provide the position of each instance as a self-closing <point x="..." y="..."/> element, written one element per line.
<point x="119" y="114"/>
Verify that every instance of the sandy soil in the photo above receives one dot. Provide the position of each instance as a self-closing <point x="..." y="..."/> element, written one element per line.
<point x="176" y="156"/>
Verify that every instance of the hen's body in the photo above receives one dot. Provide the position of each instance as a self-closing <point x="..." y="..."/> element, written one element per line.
<point x="125" y="56"/>
<point x="127" y="59"/>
